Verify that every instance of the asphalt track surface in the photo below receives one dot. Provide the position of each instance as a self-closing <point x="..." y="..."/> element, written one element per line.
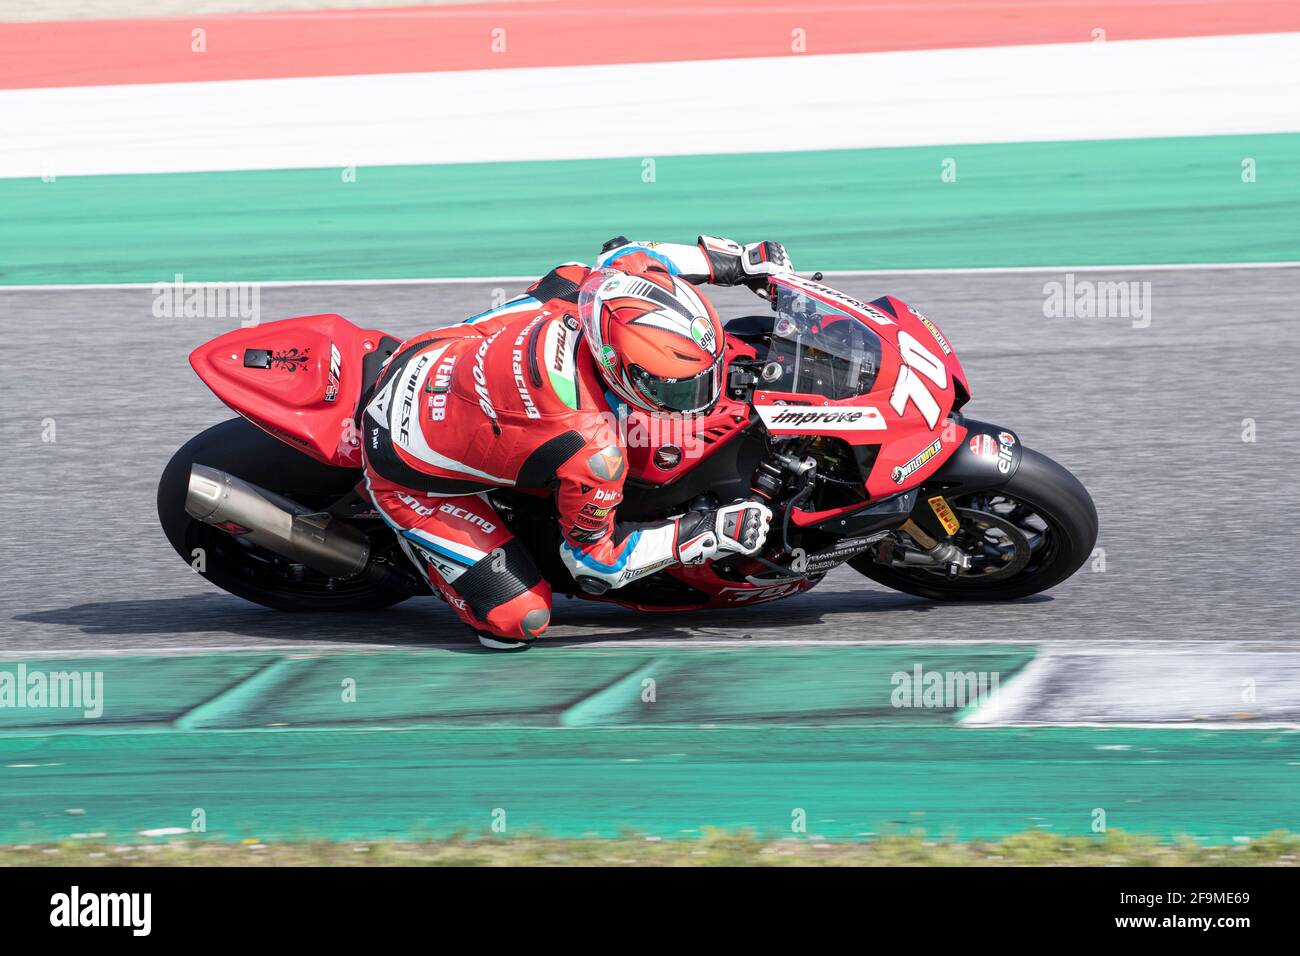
<point x="1197" y="525"/>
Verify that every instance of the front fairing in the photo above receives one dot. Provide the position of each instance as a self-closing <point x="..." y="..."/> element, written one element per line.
<point x="883" y="379"/>
<point x="879" y="376"/>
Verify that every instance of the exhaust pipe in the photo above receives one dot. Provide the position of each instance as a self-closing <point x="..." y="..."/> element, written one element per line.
<point x="316" y="539"/>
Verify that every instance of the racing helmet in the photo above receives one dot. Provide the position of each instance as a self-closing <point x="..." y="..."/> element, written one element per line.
<point x="656" y="340"/>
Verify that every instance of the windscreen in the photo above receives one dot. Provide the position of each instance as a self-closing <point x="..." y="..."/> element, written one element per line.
<point x="818" y="349"/>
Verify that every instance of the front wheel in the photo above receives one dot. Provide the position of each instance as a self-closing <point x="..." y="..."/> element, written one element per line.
<point x="1023" y="537"/>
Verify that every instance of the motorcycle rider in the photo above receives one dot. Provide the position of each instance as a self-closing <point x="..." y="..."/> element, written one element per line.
<point x="511" y="399"/>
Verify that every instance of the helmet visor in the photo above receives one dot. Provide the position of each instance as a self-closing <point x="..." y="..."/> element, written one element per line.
<point x="695" y="394"/>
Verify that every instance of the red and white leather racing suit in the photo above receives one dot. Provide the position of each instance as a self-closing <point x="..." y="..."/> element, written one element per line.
<point x="512" y="398"/>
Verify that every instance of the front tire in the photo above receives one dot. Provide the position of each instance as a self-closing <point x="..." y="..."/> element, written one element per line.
<point x="1044" y="521"/>
<point x="255" y="574"/>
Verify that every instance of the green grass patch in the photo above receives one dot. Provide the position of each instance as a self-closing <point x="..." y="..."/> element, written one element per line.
<point x="715" y="848"/>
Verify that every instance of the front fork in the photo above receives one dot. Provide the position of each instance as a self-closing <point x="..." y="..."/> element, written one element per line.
<point x="930" y="551"/>
<point x="914" y="527"/>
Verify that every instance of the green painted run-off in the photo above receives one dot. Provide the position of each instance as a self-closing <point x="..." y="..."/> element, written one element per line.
<point x="567" y="743"/>
<point x="1175" y="200"/>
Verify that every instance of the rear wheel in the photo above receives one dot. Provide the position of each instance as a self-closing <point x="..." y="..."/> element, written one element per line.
<point x="1022" y="538"/>
<point x="250" y="572"/>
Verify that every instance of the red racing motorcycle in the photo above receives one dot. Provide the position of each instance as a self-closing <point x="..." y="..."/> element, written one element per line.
<point x="844" y="415"/>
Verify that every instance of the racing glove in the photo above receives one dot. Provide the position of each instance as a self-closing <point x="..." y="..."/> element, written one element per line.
<point x="598" y="564"/>
<point x="750" y="265"/>
<point x="738" y="528"/>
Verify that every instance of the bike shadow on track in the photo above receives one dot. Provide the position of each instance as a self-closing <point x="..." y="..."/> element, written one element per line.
<point x="425" y="622"/>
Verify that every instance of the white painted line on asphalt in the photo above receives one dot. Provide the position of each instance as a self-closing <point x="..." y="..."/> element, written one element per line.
<point x="1118" y="648"/>
<point x="483" y="280"/>
<point x="558" y="644"/>
<point x="271" y="283"/>
<point x="1144" y="267"/>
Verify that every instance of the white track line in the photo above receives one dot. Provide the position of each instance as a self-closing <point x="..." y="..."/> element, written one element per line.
<point x="1194" y="86"/>
<point x="576" y="642"/>
<point x="829" y="273"/>
<point x="1117" y="648"/>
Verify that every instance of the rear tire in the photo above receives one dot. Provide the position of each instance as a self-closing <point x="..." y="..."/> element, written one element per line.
<point x="242" y="449"/>
<point x="1057" y="497"/>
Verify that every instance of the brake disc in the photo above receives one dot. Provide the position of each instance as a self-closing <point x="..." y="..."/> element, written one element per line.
<point x="997" y="548"/>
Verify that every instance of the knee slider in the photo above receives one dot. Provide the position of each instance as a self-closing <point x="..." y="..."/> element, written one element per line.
<point x="524" y="618"/>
